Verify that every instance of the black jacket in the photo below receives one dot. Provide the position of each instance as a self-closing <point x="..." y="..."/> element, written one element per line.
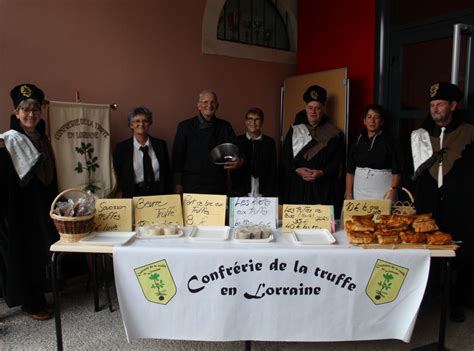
<point x="192" y="166"/>
<point x="123" y="165"/>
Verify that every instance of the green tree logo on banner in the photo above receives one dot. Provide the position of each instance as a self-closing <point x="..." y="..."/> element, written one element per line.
<point x="90" y="164"/>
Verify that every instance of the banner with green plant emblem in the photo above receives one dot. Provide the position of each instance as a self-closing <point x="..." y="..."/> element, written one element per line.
<point x="184" y="290"/>
<point x="80" y="137"/>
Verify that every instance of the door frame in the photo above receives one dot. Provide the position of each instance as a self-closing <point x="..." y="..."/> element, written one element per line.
<point x="389" y="50"/>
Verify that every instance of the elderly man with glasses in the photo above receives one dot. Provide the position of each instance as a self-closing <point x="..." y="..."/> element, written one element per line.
<point x="195" y="138"/>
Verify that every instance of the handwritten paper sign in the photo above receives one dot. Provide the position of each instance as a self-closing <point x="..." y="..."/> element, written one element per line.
<point x="307" y="217"/>
<point x="362" y="207"/>
<point x="155" y="209"/>
<point x="253" y="210"/>
<point x="204" y="210"/>
<point x="113" y="215"/>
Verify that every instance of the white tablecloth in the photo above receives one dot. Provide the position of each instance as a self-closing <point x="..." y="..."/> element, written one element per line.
<point x="224" y="291"/>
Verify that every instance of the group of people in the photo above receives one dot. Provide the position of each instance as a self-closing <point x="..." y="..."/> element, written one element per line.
<point x="143" y="167"/>
<point x="310" y="163"/>
<point x="308" y="172"/>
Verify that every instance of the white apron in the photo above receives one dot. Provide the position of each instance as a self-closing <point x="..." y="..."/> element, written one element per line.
<point x="371" y="183"/>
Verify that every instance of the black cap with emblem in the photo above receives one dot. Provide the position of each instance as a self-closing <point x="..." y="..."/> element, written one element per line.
<point x="315" y="93"/>
<point x="26" y="91"/>
<point x="445" y="91"/>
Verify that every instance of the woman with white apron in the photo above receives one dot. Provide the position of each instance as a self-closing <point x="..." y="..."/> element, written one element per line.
<point x="374" y="162"/>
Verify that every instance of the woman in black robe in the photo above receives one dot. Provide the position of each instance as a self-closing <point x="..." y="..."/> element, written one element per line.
<point x="26" y="231"/>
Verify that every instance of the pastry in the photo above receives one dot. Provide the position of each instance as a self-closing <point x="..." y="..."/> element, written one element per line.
<point x="395" y="222"/>
<point x="439" y="238"/>
<point x="410" y="237"/>
<point x="388" y="239"/>
<point x="424" y="225"/>
<point x="348" y="225"/>
<point x="361" y="237"/>
<point x="386" y="232"/>
<point x="362" y="224"/>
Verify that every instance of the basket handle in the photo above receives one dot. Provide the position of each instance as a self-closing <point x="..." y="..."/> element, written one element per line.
<point x="412" y="199"/>
<point x="53" y="204"/>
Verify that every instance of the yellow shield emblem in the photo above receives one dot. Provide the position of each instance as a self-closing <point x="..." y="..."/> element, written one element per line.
<point x="156" y="282"/>
<point x="385" y="282"/>
<point x="434" y="89"/>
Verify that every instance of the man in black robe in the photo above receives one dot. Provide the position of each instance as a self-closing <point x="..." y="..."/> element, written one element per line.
<point x="444" y="184"/>
<point x="312" y="154"/>
<point x="258" y="175"/>
<point x="195" y="138"/>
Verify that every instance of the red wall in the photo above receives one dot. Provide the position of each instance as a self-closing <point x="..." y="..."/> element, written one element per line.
<point x="140" y="52"/>
<point x="336" y="34"/>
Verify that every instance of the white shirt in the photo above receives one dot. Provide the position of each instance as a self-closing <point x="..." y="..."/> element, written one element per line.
<point x="138" y="161"/>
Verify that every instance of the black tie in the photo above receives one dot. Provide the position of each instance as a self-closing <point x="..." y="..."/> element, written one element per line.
<point x="148" y="174"/>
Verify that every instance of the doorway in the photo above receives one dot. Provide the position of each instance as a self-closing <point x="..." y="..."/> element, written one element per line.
<point x="419" y="53"/>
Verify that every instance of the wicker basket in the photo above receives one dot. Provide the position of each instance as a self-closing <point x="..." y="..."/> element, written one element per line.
<point x="71" y="229"/>
<point x="403" y="207"/>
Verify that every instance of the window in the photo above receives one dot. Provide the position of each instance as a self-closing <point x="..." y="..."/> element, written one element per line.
<point x="283" y="10"/>
<point x="254" y="22"/>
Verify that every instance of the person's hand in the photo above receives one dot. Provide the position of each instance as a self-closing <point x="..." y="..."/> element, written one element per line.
<point x="317" y="173"/>
<point x="236" y="162"/>
<point x="178" y="189"/>
<point x="303" y="172"/>
<point x="348" y="196"/>
<point x="308" y="174"/>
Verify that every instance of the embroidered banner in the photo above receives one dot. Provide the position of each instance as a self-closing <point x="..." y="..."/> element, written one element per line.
<point x="220" y="291"/>
<point x="80" y="137"/>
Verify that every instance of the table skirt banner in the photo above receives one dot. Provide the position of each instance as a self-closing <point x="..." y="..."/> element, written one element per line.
<point x="201" y="292"/>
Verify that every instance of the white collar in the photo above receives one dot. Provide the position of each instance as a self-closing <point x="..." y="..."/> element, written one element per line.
<point x="257" y="138"/>
<point x="137" y="145"/>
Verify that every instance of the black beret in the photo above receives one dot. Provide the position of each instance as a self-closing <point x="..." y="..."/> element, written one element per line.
<point x="445" y="91"/>
<point x="26" y="91"/>
<point x="315" y="93"/>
